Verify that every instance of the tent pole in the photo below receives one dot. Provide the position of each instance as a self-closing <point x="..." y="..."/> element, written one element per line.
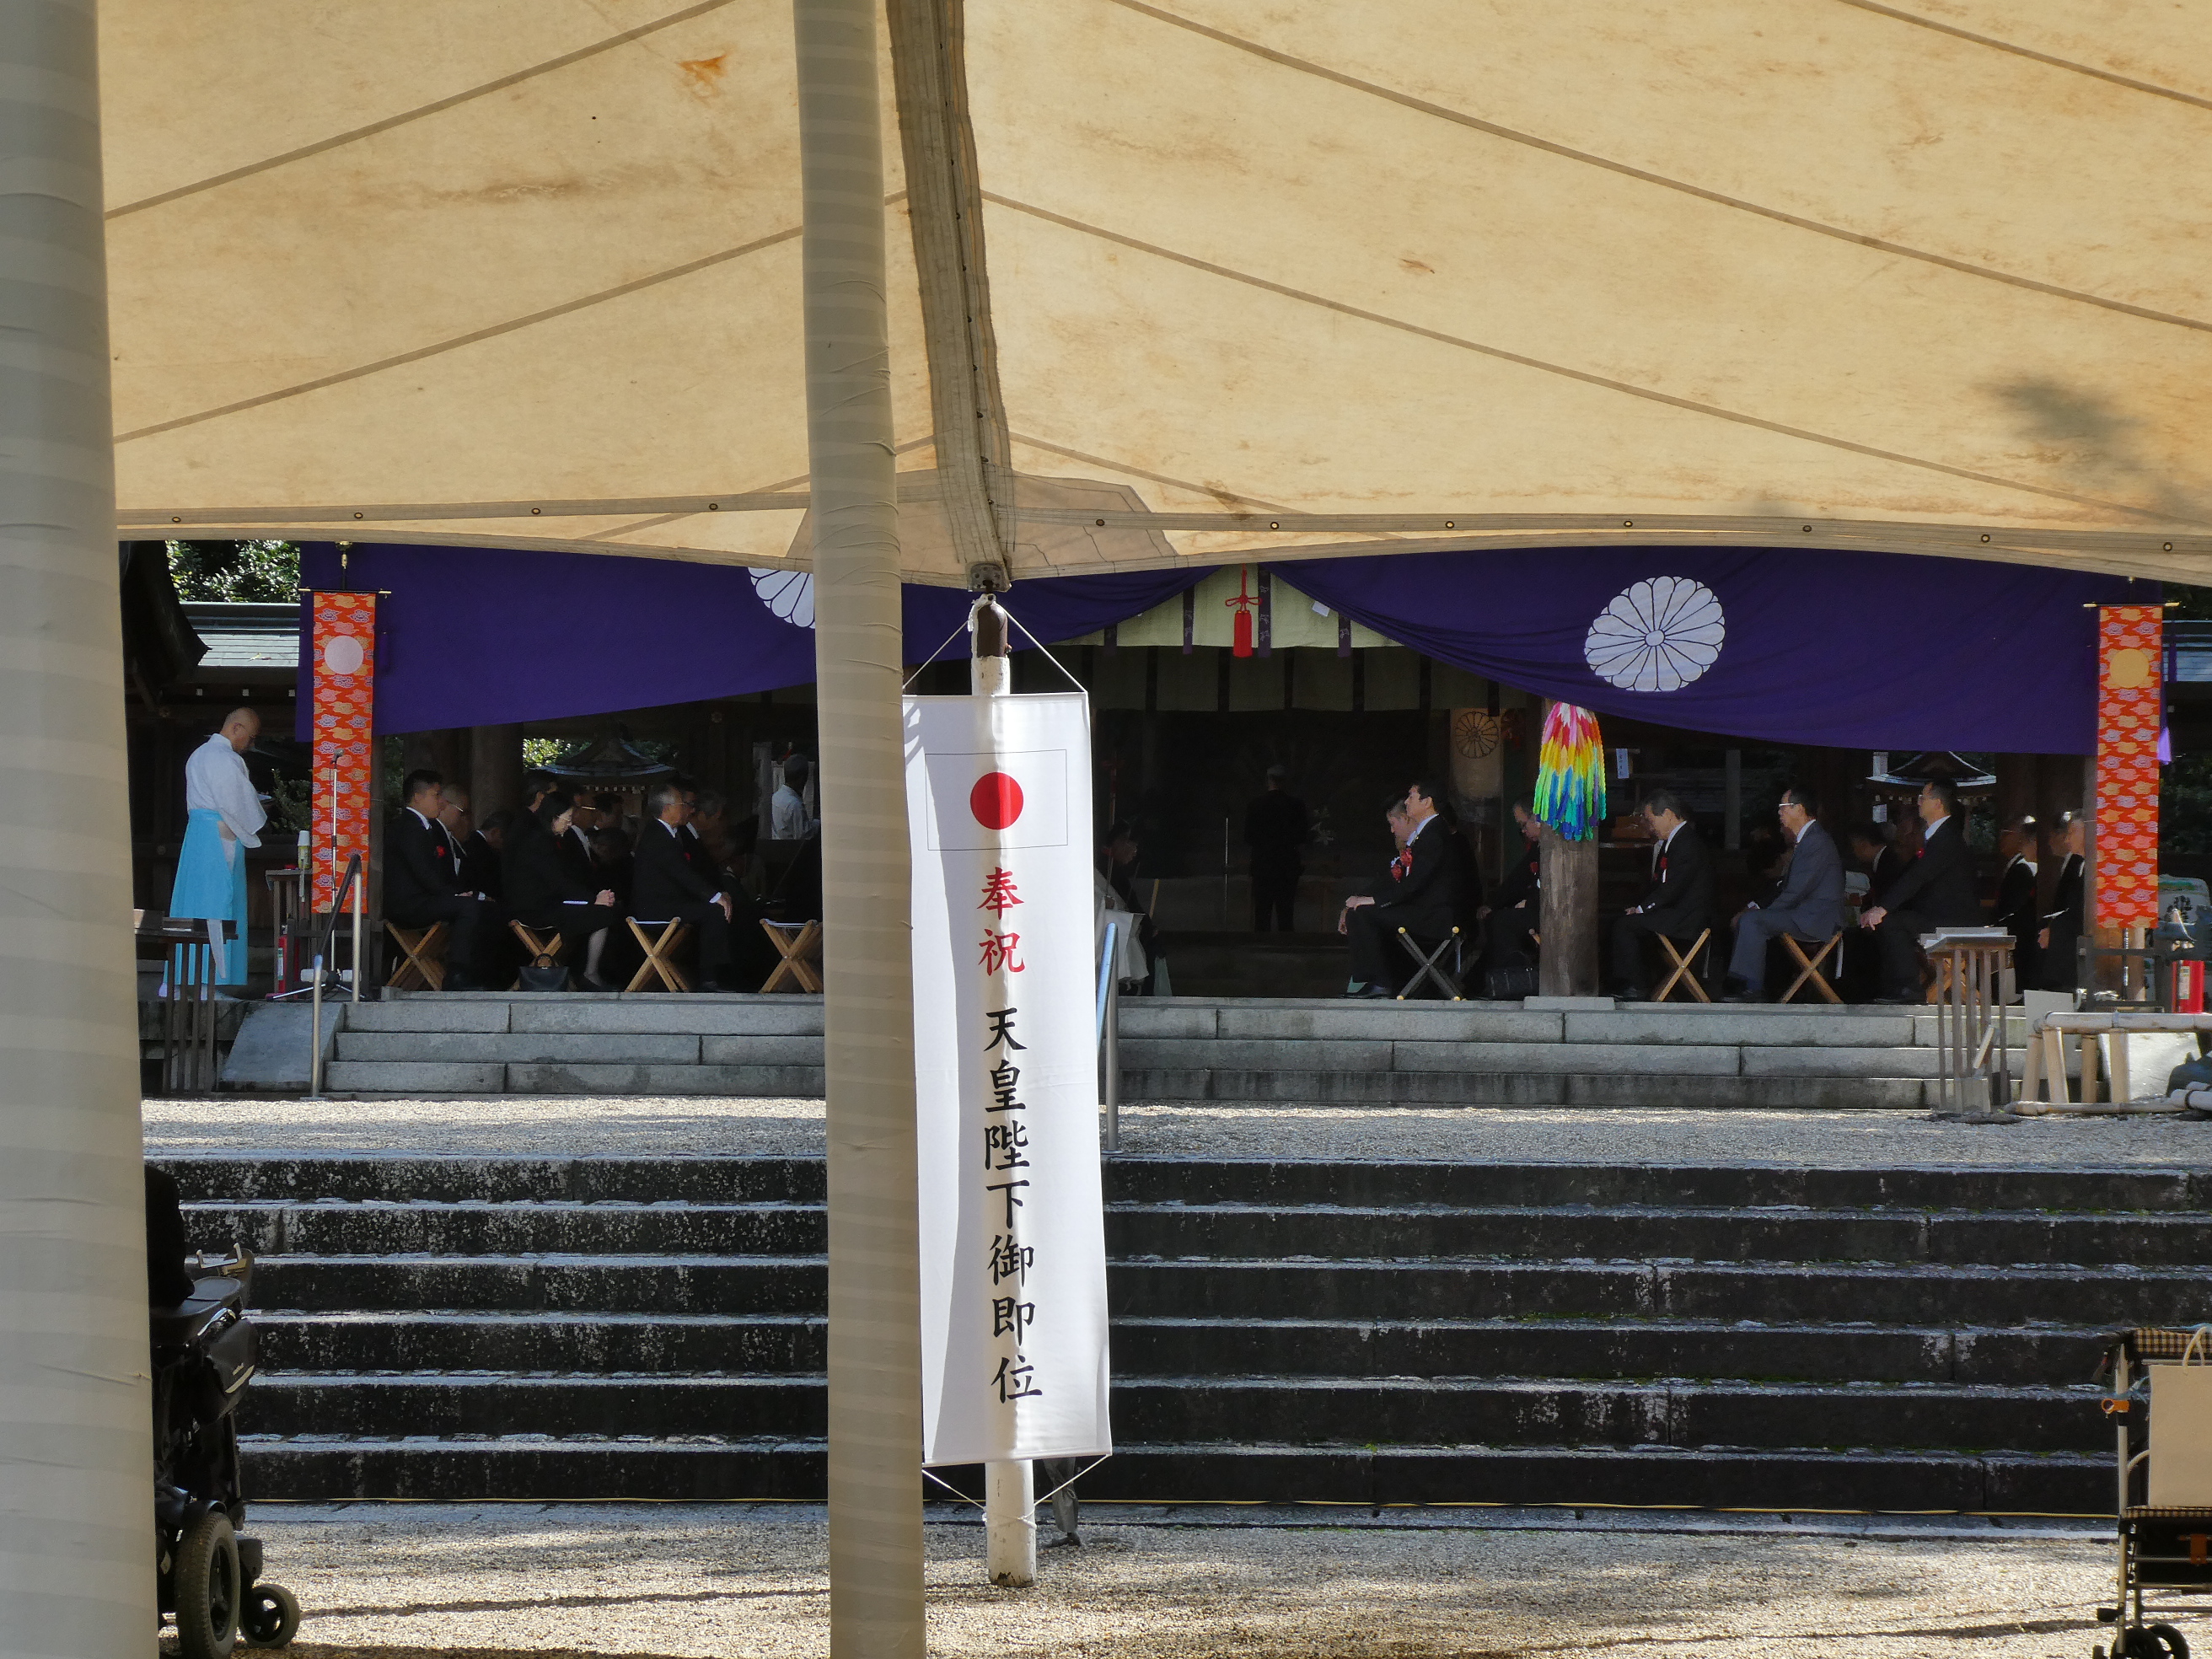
<point x="77" y="1538"/>
<point x="875" y="1327"/>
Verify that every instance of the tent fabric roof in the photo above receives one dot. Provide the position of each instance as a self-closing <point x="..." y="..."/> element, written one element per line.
<point x="1212" y="280"/>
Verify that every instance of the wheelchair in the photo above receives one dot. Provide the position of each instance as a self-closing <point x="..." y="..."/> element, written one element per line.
<point x="210" y="1576"/>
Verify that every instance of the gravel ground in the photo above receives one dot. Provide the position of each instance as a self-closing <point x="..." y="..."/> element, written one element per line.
<point x="384" y="1582"/>
<point x="568" y="1124"/>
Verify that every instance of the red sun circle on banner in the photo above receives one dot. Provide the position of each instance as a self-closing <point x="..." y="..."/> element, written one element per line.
<point x="996" y="800"/>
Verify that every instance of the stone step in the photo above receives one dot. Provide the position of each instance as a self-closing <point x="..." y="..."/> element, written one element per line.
<point x="568" y="1048"/>
<point x="1309" y="1410"/>
<point x="1767" y="1293"/>
<point x="730" y="1014"/>
<point x="460" y="1178"/>
<point x="1284" y="1055"/>
<point x="780" y="1343"/>
<point x="575" y="1284"/>
<point x="1609" y="1089"/>
<point x="706" y="1469"/>
<point x="1169" y="1179"/>
<point x="1272" y="1289"/>
<point x="444" y="1079"/>
<point x="1182" y="1231"/>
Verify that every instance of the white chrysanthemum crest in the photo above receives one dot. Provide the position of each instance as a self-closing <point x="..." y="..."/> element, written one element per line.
<point x="1658" y="635"/>
<point x="789" y="593"/>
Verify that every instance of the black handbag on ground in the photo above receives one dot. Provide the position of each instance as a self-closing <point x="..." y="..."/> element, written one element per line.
<point x="1510" y="984"/>
<point x="545" y="975"/>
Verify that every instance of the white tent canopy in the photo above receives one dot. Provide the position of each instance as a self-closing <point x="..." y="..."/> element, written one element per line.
<point x="1205" y="280"/>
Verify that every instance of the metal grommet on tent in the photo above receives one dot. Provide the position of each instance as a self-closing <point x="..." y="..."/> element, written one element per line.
<point x="356" y="515"/>
<point x="1450" y="525"/>
<point x="1985" y="537"/>
<point x="2169" y="547"/>
<point x="1628" y="524"/>
<point x="713" y="506"/>
<point x="175" y="521"/>
<point x="535" y="511"/>
<point x="1098" y="521"/>
<point x="1808" y="529"/>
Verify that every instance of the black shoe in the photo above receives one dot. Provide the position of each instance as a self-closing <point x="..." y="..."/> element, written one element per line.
<point x="1631" y="993"/>
<point x="1744" y="996"/>
<point x="1900" y="999"/>
<point x="1375" y="991"/>
<point x="712" y="987"/>
<point x="461" y="982"/>
<point x="1733" y="982"/>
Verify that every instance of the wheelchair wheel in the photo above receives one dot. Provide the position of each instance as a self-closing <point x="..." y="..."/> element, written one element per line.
<point x="271" y="1617"/>
<point x="2173" y="1646"/>
<point x="210" y="1591"/>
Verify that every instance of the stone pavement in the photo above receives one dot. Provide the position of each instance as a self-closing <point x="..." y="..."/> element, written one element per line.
<point x="673" y="1582"/>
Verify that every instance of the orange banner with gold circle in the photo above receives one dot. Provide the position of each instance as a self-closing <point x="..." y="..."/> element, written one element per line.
<point x="2130" y="705"/>
<point x="344" y="724"/>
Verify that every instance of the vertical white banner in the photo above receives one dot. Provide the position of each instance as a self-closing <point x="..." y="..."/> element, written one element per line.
<point x="1014" y="1242"/>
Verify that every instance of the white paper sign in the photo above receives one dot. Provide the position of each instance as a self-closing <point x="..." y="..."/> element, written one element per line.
<point x="1013" y="1243"/>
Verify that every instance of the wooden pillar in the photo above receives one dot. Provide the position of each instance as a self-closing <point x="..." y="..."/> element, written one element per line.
<point x="1569" y="961"/>
<point x="494" y="770"/>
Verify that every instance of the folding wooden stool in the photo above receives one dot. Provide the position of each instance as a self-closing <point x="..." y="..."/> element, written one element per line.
<point x="1681" y="960"/>
<point x="1447" y="981"/>
<point x="422" y="956"/>
<point x="1811" y="969"/>
<point x="551" y="946"/>
<point x="659" y="954"/>
<point x="800" y="945"/>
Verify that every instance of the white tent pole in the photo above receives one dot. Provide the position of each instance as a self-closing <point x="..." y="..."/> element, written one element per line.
<point x="875" y="1326"/>
<point x="76" y="1519"/>
<point x="1009" y="1485"/>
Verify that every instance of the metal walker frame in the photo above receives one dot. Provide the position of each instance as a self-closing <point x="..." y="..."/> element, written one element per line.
<point x="2167" y="1548"/>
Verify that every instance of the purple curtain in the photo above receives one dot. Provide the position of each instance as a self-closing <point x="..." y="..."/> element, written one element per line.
<point x="482" y="636"/>
<point x="1851" y="650"/>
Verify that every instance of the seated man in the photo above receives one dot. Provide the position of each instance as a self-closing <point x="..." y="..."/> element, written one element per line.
<point x="543" y="897"/>
<point x="1679" y="907"/>
<point x="665" y="887"/>
<point x="1809" y="905"/>
<point x="1936" y="889"/>
<point x="1425" y="900"/>
<point x="1517" y="909"/>
<point x="420" y="885"/>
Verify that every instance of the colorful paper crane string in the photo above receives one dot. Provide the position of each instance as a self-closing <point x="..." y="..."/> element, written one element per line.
<point x="1571" y="773"/>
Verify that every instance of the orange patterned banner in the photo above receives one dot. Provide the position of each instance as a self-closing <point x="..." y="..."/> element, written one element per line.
<point x="2129" y="706"/>
<point x="346" y="725"/>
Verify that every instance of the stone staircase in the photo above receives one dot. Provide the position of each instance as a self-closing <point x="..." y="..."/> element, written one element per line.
<point x="1748" y="1335"/>
<point x="1585" y="1052"/>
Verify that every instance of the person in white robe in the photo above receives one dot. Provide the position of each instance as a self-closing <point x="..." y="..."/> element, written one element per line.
<point x="223" y="817"/>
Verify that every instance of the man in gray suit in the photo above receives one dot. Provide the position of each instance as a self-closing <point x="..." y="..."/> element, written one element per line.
<point x="1809" y="907"/>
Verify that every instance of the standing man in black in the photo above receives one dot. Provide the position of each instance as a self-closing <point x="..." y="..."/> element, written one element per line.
<point x="665" y="887"/>
<point x="1680" y="905"/>
<point x="1275" y="828"/>
<point x="1426" y="903"/>
<point x="2018" y="911"/>
<point x="421" y="886"/>
<point x="2061" y="932"/>
<point x="1937" y="889"/>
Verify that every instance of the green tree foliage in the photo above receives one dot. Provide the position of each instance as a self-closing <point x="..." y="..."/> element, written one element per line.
<point x="262" y="572"/>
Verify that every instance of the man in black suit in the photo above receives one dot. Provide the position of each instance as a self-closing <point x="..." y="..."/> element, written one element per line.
<point x="1516" y="909"/>
<point x="1679" y="906"/>
<point x="1937" y="889"/>
<point x="1425" y="902"/>
<point x="2058" y="938"/>
<point x="421" y="886"/>
<point x="2018" y="911"/>
<point x="665" y="886"/>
